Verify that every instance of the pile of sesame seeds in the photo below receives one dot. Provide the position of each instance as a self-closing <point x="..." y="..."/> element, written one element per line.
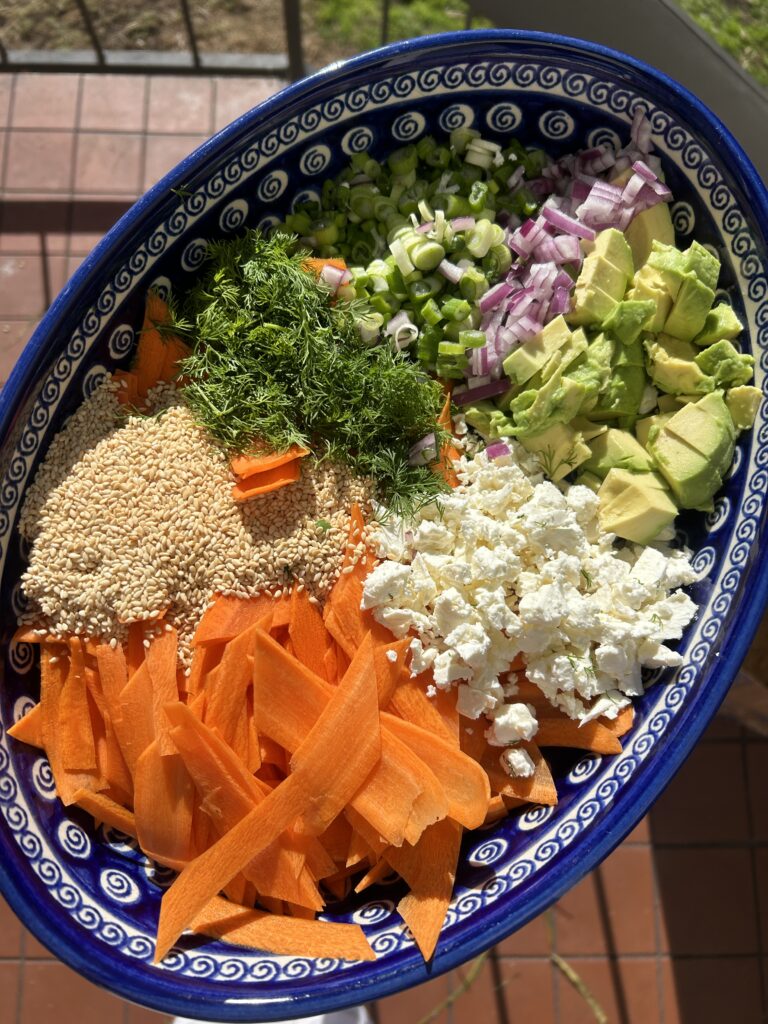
<point x="133" y="518"/>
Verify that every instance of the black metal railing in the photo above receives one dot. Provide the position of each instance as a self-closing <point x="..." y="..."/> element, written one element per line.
<point x="291" y="64"/>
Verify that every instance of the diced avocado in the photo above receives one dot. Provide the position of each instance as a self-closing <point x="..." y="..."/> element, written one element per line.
<point x="589" y="480"/>
<point x="616" y="449"/>
<point x="705" y="266"/>
<point x="694" y="448"/>
<point x="669" y="403"/>
<point x="628" y="319"/>
<point x="621" y="398"/>
<point x="612" y="246"/>
<point x="478" y="415"/>
<point x="618" y="479"/>
<point x="500" y="425"/>
<point x="598" y="272"/>
<point x="574" y="347"/>
<point x="670" y="263"/>
<point x="651" y="225"/>
<point x="644" y="426"/>
<point x="590" y="305"/>
<point x="560" y="449"/>
<point x="648" y="284"/>
<point x="557" y="401"/>
<point x="631" y="354"/>
<point x="639" y="511"/>
<point x="672" y="367"/>
<point x="690" y="308"/>
<point x="723" y="361"/>
<point x="743" y="403"/>
<point x="587" y="428"/>
<point x="526" y="360"/>
<point x="721" y="323"/>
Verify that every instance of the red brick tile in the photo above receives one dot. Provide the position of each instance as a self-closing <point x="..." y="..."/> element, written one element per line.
<point x="703" y="990"/>
<point x="21" y="286"/>
<point x="14" y="335"/>
<point x="9" y="987"/>
<point x="113" y="102"/>
<point x="579" y="926"/>
<point x="236" y="96"/>
<point x="180" y="105"/>
<point x="34" y="949"/>
<point x="73" y="262"/>
<point x="164" y="152"/>
<point x="722" y="728"/>
<point x="39" y="163"/>
<point x="58" y="275"/>
<point x="757" y="768"/>
<point x="52" y="992"/>
<point x="140" y="1015"/>
<point x="417" y="1002"/>
<point x="530" y="940"/>
<point x="692" y="812"/>
<point x="479" y="1001"/>
<point x="45" y="101"/>
<point x="629" y="992"/>
<point x="108" y="162"/>
<point x="528" y="988"/>
<point x="5" y="97"/>
<point x="10" y="932"/>
<point x="641" y="833"/>
<point x="707" y="901"/>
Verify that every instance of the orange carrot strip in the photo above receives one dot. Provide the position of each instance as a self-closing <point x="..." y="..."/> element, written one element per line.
<point x="206" y="876"/>
<point x="248" y="465"/>
<point x="497" y="809"/>
<point x="175" y="351"/>
<point x="355" y="534"/>
<point x="411" y="702"/>
<point x="29" y="729"/>
<point x="205" y="658"/>
<point x="283" y="935"/>
<point x="449" y="452"/>
<point x="113" y="674"/>
<point x="329" y="663"/>
<point x="76" y="742"/>
<point x="315" y="264"/>
<point x="134" y="650"/>
<point x="267" y="481"/>
<point x="308" y="633"/>
<point x="425" y="906"/>
<point x="463" y="779"/>
<point x="538" y="789"/>
<point x="229" y="616"/>
<point x="390" y="668"/>
<point x="225" y="701"/>
<point x="30" y="635"/>
<point x="150" y="353"/>
<point x="135" y="723"/>
<point x="164" y="798"/>
<point x="161" y="665"/>
<point x="563" y="732"/>
<point x="253" y="759"/>
<point x="349" y="722"/>
<point x="106" y="811"/>
<point x="380" y="870"/>
<point x="129" y="394"/>
<point x="622" y="723"/>
<point x="111" y="766"/>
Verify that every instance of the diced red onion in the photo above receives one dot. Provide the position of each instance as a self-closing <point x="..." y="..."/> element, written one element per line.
<point x="568" y="248"/>
<point x="333" y="276"/>
<point x="497" y="450"/>
<point x="494" y="296"/>
<point x="420" y="452"/>
<point x="569" y="225"/>
<point x="497" y="387"/>
<point x="423" y="229"/>
<point x="632" y="190"/>
<point x="450" y="271"/>
<point x="561" y="302"/>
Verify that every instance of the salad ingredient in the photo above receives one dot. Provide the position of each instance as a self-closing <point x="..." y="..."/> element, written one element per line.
<point x="159" y="351"/>
<point x="276" y="363"/>
<point x="267" y="481"/>
<point x="251" y="465"/>
<point x="509" y="564"/>
<point x="131" y="516"/>
<point x="635" y="505"/>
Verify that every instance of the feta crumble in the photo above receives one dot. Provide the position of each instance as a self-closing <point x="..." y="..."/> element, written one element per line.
<point x="510" y="564"/>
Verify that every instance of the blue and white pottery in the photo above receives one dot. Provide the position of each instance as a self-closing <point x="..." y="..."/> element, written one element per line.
<point x="87" y="893"/>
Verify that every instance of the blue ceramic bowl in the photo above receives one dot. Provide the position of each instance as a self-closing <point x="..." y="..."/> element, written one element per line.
<point x="87" y="893"/>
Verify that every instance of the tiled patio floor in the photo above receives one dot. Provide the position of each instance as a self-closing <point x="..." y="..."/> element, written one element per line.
<point x="671" y="929"/>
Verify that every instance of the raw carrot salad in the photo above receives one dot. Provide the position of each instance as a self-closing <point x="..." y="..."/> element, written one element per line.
<point x="397" y="479"/>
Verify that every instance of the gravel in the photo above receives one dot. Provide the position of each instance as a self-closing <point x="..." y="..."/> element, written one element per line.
<point x="129" y="517"/>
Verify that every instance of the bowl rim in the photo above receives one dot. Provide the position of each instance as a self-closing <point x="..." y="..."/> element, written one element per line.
<point x="607" y="833"/>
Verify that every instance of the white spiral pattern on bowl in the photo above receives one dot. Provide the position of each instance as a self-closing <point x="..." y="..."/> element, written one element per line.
<point x="458" y="115"/>
<point x="585" y="768"/>
<point x="683" y="218"/>
<point x="74" y="840"/>
<point x="233" y="216"/>
<point x="504" y="117"/>
<point x="314" y="160"/>
<point x="121" y="341"/>
<point x="408" y="126"/>
<point x="557" y="124"/>
<point x="119" y="887"/>
<point x="357" y="140"/>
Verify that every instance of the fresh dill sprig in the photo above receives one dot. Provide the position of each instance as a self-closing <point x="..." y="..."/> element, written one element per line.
<point x="275" y="362"/>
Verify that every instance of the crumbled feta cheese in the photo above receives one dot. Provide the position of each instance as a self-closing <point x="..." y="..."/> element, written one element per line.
<point x="509" y="563"/>
<point x="392" y="656"/>
<point x="517" y="762"/>
<point x="511" y="723"/>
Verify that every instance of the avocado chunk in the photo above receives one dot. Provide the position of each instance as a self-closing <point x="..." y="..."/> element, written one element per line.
<point x="616" y="449"/>
<point x="557" y="401"/>
<point x="613" y="247"/>
<point x="704" y="265"/>
<point x="725" y="364"/>
<point x="478" y="415"/>
<point x="694" y="448"/>
<point x="599" y="272"/>
<point x="634" y="506"/>
<point x="628" y="319"/>
<point x="529" y="358"/>
<point x="653" y="225"/>
<point x="590" y="306"/>
<point x="649" y="284"/>
<point x="690" y="308"/>
<point x="672" y="367"/>
<point x="670" y="263"/>
<point x="587" y="428"/>
<point x="575" y="346"/>
<point x="644" y="426"/>
<point x="669" y="403"/>
<point x="743" y="403"/>
<point x="601" y="284"/>
<point x="721" y="322"/>
<point x="589" y="480"/>
<point x="559" y="450"/>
